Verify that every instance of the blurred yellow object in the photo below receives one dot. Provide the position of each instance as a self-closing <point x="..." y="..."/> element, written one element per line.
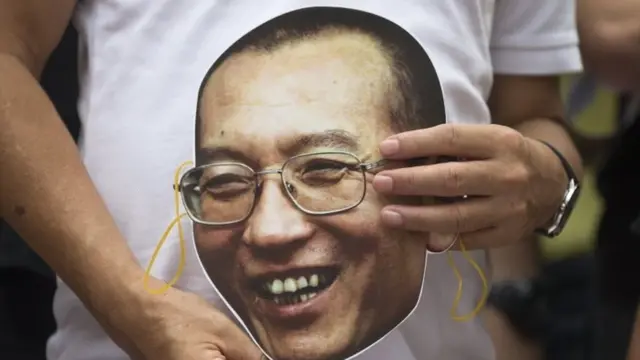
<point x="599" y="119"/>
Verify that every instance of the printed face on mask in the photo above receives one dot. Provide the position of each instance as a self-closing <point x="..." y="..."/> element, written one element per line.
<point x="286" y="222"/>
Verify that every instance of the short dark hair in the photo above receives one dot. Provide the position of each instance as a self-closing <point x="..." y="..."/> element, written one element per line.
<point x="415" y="100"/>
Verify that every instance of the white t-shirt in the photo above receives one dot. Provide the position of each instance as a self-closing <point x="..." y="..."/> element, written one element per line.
<point x="142" y="63"/>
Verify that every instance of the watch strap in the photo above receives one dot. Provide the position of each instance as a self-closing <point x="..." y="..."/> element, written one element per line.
<point x="571" y="175"/>
<point x="559" y="219"/>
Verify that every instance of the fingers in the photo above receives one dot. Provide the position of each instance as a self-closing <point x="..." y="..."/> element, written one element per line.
<point x="464" y="216"/>
<point x="471" y="141"/>
<point x="217" y="355"/>
<point x="234" y="343"/>
<point x="439" y="243"/>
<point x="443" y="179"/>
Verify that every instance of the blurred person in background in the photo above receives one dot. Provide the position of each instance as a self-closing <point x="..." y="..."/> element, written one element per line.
<point x="610" y="45"/>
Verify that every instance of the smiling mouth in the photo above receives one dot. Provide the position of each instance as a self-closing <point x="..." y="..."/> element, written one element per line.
<point x="296" y="286"/>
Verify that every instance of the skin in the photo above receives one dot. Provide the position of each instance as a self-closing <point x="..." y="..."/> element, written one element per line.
<point x="527" y="103"/>
<point x="609" y="32"/>
<point x="80" y="240"/>
<point x="516" y="182"/>
<point x="47" y="196"/>
<point x="260" y="104"/>
<point x="634" y="350"/>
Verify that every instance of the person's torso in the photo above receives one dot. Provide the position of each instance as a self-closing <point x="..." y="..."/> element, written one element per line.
<point x="141" y="65"/>
<point x="618" y="178"/>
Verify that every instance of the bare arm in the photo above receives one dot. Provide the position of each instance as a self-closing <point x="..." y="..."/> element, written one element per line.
<point x="45" y="192"/>
<point x="533" y="106"/>
<point x="532" y="42"/>
<point x="527" y="104"/>
<point x="48" y="197"/>
<point x="610" y="40"/>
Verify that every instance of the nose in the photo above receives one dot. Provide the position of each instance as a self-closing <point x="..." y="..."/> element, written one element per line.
<point x="275" y="221"/>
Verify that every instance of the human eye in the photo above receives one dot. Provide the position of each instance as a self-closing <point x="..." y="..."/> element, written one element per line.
<point x="323" y="171"/>
<point x="226" y="185"/>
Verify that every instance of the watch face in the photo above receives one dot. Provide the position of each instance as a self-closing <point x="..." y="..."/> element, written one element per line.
<point x="286" y="222"/>
<point x="563" y="214"/>
<point x="573" y="195"/>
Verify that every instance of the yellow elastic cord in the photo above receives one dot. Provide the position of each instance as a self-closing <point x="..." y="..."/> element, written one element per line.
<point x="485" y="286"/>
<point x="177" y="220"/>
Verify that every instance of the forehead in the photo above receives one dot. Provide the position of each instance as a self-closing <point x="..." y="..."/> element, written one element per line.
<point x="333" y="82"/>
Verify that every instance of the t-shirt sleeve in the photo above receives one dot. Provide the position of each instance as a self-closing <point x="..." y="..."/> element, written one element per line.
<point x="535" y="37"/>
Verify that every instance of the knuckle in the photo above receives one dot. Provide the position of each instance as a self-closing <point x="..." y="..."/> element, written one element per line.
<point x="453" y="180"/>
<point x="403" y="140"/>
<point x="405" y="182"/>
<point x="452" y="137"/>
<point x="516" y="176"/>
<point x="511" y="139"/>
<point x="409" y="141"/>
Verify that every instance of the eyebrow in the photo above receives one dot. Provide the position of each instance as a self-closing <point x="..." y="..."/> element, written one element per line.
<point x="335" y="139"/>
<point x="207" y="155"/>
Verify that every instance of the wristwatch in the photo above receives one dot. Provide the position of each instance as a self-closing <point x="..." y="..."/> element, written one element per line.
<point x="571" y="194"/>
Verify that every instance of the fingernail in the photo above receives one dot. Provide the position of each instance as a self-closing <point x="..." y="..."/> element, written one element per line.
<point x="382" y="183"/>
<point x="391" y="218"/>
<point x="389" y="147"/>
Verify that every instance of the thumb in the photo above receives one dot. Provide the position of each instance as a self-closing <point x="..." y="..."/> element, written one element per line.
<point x="236" y="345"/>
<point x="439" y="243"/>
<point x="217" y="355"/>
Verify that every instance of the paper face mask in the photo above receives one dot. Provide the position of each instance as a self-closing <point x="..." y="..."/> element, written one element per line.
<point x="286" y="222"/>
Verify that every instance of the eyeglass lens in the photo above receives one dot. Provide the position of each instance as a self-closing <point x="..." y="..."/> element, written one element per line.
<point x="316" y="183"/>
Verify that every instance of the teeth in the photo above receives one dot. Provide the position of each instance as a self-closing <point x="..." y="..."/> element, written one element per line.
<point x="302" y="282"/>
<point x="291" y="285"/>
<point x="291" y="299"/>
<point x="277" y="287"/>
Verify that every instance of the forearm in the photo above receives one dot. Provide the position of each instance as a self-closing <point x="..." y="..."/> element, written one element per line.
<point x="522" y="260"/>
<point x="48" y="198"/>
<point x="610" y="40"/>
